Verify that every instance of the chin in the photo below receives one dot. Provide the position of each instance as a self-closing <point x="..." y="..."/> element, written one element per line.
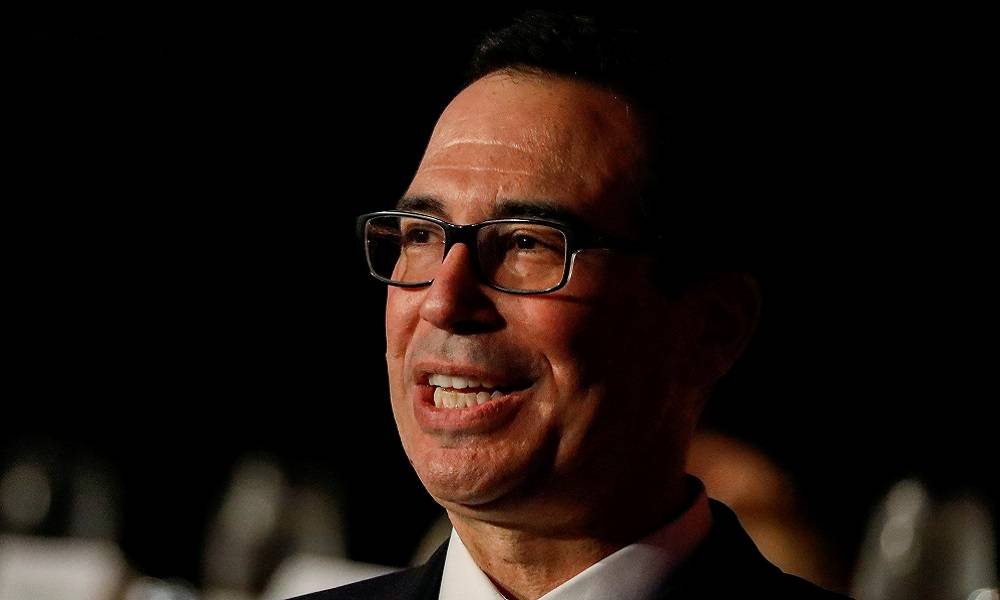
<point x="468" y="476"/>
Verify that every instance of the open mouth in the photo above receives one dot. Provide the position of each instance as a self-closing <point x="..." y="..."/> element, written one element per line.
<point x="452" y="391"/>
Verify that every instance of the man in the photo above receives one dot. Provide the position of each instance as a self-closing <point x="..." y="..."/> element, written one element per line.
<point x="548" y="352"/>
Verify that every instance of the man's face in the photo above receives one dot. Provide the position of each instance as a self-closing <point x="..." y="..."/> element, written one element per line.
<point x="579" y="380"/>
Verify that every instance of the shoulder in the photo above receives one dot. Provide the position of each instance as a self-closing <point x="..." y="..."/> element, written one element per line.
<point x="728" y="563"/>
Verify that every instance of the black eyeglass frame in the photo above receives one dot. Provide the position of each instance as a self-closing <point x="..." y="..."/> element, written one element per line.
<point x="577" y="240"/>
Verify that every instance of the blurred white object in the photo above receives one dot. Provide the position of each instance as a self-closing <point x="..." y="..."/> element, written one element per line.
<point x="312" y="523"/>
<point x="305" y="573"/>
<point x="150" y="588"/>
<point x="916" y="549"/>
<point x="238" y="540"/>
<point x="264" y="519"/>
<point x="59" y="569"/>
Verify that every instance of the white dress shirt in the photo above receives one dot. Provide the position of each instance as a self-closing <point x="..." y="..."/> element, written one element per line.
<point x="632" y="573"/>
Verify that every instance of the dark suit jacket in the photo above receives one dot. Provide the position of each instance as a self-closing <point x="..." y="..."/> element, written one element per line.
<point x="726" y="565"/>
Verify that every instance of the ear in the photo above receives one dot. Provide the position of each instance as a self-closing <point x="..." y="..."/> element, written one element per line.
<point x="725" y="311"/>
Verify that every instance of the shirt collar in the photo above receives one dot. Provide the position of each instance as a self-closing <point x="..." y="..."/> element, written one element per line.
<point x="632" y="573"/>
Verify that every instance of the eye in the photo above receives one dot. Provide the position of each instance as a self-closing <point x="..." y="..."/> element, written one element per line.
<point x="524" y="242"/>
<point x="416" y="236"/>
<point x="535" y="240"/>
<point x="419" y="236"/>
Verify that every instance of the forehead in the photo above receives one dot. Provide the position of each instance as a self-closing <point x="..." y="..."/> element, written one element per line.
<point x="514" y="137"/>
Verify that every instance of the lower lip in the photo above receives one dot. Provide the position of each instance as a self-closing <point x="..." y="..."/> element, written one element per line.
<point x="473" y="419"/>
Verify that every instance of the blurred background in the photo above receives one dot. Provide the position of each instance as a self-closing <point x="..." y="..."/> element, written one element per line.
<point x="195" y="402"/>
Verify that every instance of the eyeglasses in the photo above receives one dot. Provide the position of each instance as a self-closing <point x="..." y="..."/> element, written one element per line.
<point x="519" y="256"/>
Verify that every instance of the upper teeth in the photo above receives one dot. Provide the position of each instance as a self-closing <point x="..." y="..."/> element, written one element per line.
<point x="448" y="399"/>
<point x="457" y="383"/>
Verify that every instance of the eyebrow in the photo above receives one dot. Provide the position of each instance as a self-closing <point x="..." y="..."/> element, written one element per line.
<point x="502" y="209"/>
<point x="423" y="204"/>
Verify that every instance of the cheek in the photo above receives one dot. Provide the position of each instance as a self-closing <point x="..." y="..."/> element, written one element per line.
<point x="581" y="340"/>
<point x="401" y="316"/>
<point x="594" y="322"/>
<point x="400" y="322"/>
<point x="399" y="326"/>
<point x="568" y="335"/>
<point x="603" y="342"/>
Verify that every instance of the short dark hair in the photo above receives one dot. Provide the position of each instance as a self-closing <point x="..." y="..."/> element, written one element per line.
<point x="700" y="235"/>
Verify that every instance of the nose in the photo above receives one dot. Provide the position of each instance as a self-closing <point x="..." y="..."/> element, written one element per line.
<point x="457" y="301"/>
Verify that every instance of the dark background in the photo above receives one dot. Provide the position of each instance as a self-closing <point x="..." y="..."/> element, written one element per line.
<point x="183" y="285"/>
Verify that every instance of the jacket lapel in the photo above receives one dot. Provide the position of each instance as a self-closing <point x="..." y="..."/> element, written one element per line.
<point x="425" y="583"/>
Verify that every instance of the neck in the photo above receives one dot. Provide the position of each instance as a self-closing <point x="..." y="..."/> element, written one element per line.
<point x="525" y="561"/>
